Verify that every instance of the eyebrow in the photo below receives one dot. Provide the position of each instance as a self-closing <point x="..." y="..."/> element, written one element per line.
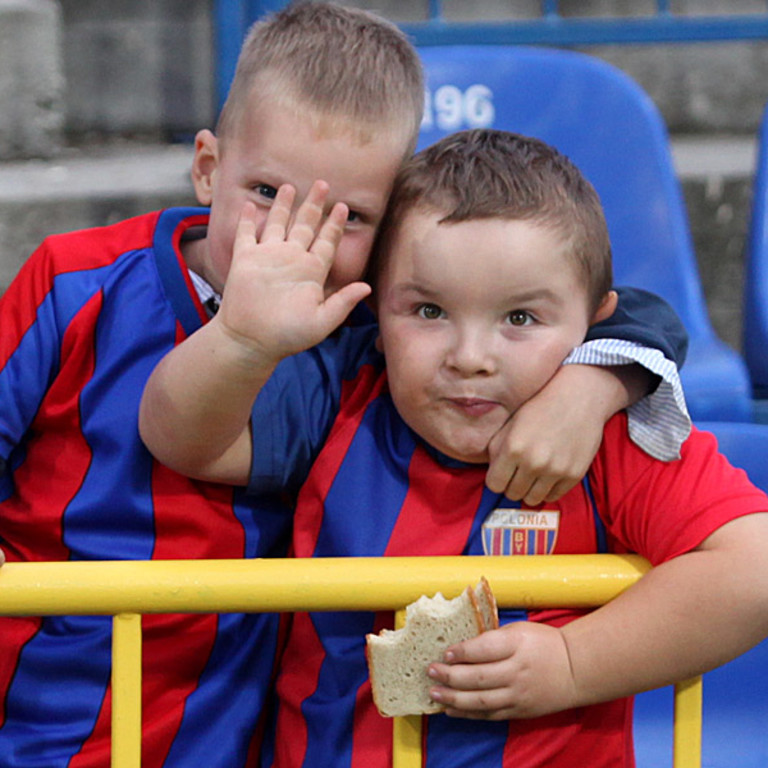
<point x="545" y="294"/>
<point x="527" y="297"/>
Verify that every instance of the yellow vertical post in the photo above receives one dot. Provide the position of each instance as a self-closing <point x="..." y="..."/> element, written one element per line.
<point x="687" y="733"/>
<point x="126" y="690"/>
<point x="406" y="731"/>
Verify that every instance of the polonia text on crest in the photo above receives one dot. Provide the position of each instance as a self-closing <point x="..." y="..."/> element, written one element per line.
<point x="521" y="531"/>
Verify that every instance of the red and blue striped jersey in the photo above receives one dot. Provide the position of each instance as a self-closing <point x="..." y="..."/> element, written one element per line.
<point x="83" y="325"/>
<point x="373" y="488"/>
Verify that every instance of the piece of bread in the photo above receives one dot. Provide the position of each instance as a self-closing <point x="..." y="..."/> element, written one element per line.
<point x="398" y="659"/>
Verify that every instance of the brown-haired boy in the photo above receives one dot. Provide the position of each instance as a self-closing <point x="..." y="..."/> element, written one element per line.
<point x="321" y="91"/>
<point x="493" y="261"/>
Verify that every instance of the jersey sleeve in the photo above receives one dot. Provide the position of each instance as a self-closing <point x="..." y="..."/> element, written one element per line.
<point x="295" y="410"/>
<point x="661" y="510"/>
<point x="646" y="319"/>
<point x="645" y="330"/>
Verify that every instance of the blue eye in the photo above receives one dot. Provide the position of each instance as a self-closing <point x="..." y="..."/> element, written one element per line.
<point x="353" y="216"/>
<point x="430" y="311"/>
<point x="519" y="317"/>
<point x="266" y="190"/>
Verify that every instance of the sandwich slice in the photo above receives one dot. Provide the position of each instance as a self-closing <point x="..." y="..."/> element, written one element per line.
<point x="398" y="660"/>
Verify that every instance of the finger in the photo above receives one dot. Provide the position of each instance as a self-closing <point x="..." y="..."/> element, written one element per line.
<point x="469" y="677"/>
<point x="500" y="472"/>
<point x="560" y="488"/>
<point x="331" y="233"/>
<point x="503" y="463"/>
<point x="494" y="645"/>
<point x="279" y="215"/>
<point x="304" y="226"/>
<point x="506" y="713"/>
<point x="338" y="305"/>
<point x="539" y="490"/>
<point x="520" y="484"/>
<point x="474" y="702"/>
<point x="246" y="224"/>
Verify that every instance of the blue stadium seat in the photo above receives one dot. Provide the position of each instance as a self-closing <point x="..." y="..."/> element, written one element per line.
<point x="611" y="129"/>
<point x="735" y="727"/>
<point x="756" y="275"/>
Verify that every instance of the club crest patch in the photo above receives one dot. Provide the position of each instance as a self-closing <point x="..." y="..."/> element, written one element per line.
<point x="521" y="531"/>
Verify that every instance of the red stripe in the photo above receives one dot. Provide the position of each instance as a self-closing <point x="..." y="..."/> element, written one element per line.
<point x="192" y="521"/>
<point x="371" y="731"/>
<point x="181" y="228"/>
<point x="55" y="467"/>
<point x="435" y="519"/>
<point x="299" y="673"/>
<point x="60" y="254"/>
<point x="438" y="512"/>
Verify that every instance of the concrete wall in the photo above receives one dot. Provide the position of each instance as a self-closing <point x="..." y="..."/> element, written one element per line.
<point x="137" y="66"/>
<point x="31" y="81"/>
<point x="80" y="78"/>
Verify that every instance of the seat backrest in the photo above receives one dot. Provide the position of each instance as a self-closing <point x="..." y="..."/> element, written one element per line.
<point x="735" y="729"/>
<point x="610" y="128"/>
<point x="756" y="273"/>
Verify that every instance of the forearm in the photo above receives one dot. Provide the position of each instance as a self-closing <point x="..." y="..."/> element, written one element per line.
<point x="604" y="390"/>
<point x="683" y="618"/>
<point x="197" y="403"/>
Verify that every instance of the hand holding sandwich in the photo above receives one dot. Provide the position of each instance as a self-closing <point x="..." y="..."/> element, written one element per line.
<point x="521" y="670"/>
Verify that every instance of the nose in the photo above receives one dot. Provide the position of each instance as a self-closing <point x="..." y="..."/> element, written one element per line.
<point x="471" y="352"/>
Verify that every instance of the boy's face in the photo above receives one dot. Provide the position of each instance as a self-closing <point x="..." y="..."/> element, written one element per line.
<point x="274" y="145"/>
<point x="475" y="318"/>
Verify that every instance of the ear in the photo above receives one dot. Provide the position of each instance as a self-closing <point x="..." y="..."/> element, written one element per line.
<point x="204" y="165"/>
<point x="607" y="307"/>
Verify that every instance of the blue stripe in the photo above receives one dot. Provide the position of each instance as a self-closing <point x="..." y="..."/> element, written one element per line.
<point x="359" y="478"/>
<point x="235" y="681"/>
<point x="67" y="711"/>
<point x="134" y="330"/>
<point x="31" y="369"/>
<point x="601" y="543"/>
<point x="457" y="743"/>
<point x="169" y="268"/>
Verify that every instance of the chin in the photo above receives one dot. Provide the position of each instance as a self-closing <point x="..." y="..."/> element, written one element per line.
<point x="468" y="454"/>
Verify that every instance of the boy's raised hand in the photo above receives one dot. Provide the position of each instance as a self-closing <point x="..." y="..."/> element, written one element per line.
<point x="274" y="300"/>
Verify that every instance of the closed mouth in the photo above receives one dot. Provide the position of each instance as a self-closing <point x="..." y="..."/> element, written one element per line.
<point x="473" y="406"/>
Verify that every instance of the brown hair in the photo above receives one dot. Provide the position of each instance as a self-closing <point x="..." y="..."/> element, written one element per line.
<point x="487" y="173"/>
<point x="340" y="63"/>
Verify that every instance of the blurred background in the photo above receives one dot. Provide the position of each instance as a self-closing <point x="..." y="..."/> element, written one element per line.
<point x="99" y="102"/>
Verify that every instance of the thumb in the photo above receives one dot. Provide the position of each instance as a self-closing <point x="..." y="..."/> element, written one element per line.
<point x="338" y="305"/>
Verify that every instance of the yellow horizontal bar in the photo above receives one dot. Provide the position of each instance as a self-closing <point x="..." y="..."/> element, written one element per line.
<point x="317" y="584"/>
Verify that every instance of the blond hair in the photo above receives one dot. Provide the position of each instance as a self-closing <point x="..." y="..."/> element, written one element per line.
<point x="491" y="174"/>
<point x="342" y="64"/>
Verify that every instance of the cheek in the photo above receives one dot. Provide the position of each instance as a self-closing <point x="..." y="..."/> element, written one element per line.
<point x="351" y="259"/>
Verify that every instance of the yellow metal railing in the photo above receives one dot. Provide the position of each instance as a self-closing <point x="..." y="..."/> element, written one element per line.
<point x="126" y="590"/>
